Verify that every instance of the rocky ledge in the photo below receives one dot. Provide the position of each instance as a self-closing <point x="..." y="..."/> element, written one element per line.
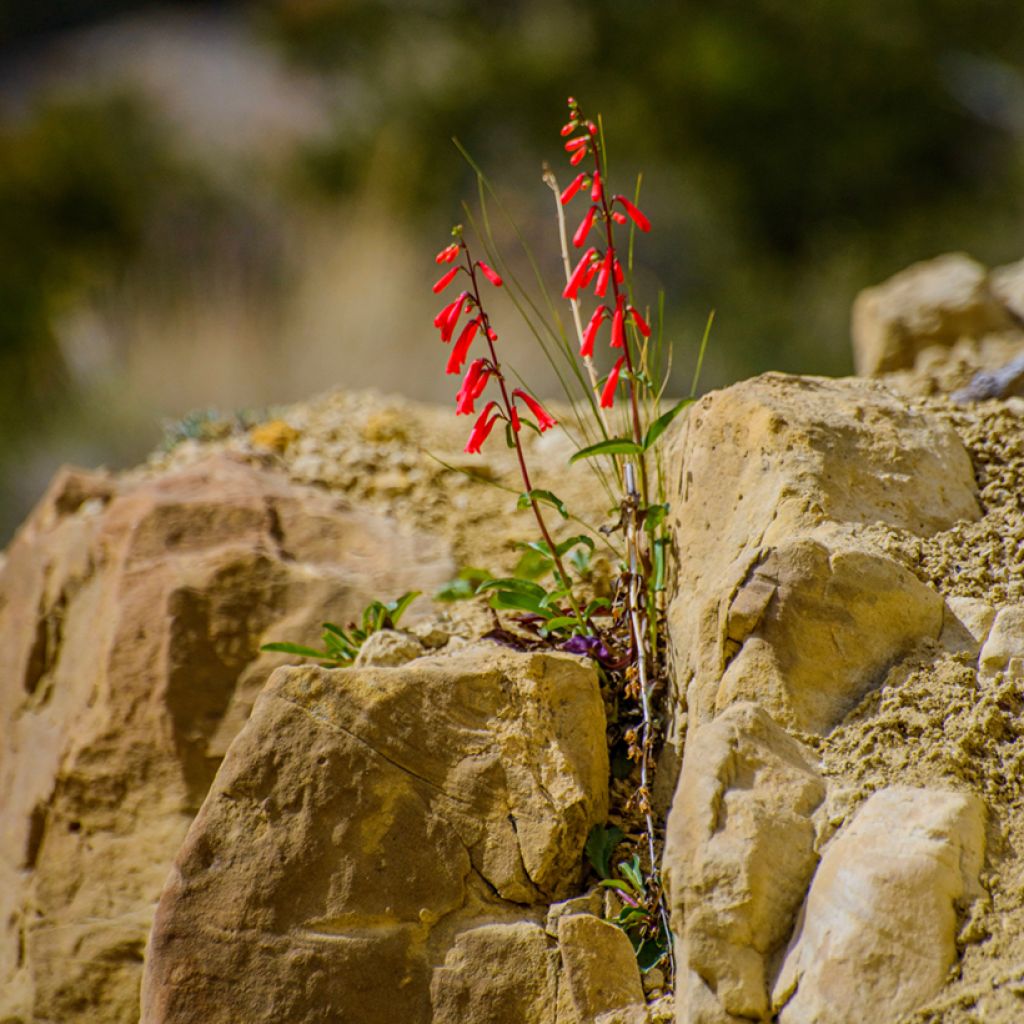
<point x="841" y="778"/>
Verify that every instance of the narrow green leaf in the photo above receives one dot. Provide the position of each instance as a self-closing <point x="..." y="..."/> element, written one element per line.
<point x="650" y="954"/>
<point x="613" y="446"/>
<point x="520" y="602"/>
<point x="573" y="542"/>
<point x="397" y="607"/>
<point x="306" y="652"/>
<point x="700" y="355"/>
<point x="658" y="427"/>
<point x="545" y="498"/>
<point x="515" y="586"/>
<point x="561" y="622"/>
<point x="601" y="843"/>
<point x="630" y="870"/>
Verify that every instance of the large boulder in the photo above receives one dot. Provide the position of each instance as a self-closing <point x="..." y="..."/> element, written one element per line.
<point x="131" y="614"/>
<point x="364" y="827"/>
<point x="781" y="595"/>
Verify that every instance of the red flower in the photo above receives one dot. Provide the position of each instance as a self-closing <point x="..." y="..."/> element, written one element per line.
<point x="516" y="425"/>
<point x="595" y="189"/>
<point x="580" y="275"/>
<point x="461" y="346"/>
<point x="618" y="330"/>
<point x="587" y="348"/>
<point x="584" y="229"/>
<point x="489" y="274"/>
<point x="638" y="218"/>
<point x="448" y="254"/>
<point x="481" y="429"/>
<point x="602" y="278"/>
<point x="573" y="187"/>
<point x="568" y="129"/>
<point x="573" y="144"/>
<point x="577" y="157"/>
<point x="544" y="420"/>
<point x="608" y="392"/>
<point x="473" y="385"/>
<point x="492" y="333"/>
<point x="619" y="218"/>
<point x="446" y="280"/>
<point x="449" y="316"/>
<point x="617" y="268"/>
<point x="641" y="324"/>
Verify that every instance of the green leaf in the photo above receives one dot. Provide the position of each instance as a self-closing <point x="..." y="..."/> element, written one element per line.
<point x="533" y="563"/>
<point x="573" y="542"/>
<point x="306" y="652"/>
<point x="630" y="870"/>
<point x="396" y="609"/>
<point x="613" y="446"/>
<point x="650" y="954"/>
<point x="521" y="602"/>
<point x="515" y="586"/>
<point x="617" y="883"/>
<point x="560" y="622"/>
<point x="544" y="498"/>
<point x="596" y="605"/>
<point x="654" y="517"/>
<point x="463" y="586"/>
<point x="658" y="581"/>
<point x="658" y="427"/>
<point x="601" y="843"/>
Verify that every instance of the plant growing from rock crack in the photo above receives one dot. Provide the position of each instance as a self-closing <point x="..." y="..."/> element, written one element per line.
<point x="623" y="633"/>
<point x="342" y="645"/>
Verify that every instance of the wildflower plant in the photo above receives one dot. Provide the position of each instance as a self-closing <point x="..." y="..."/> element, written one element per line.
<point x="623" y="633"/>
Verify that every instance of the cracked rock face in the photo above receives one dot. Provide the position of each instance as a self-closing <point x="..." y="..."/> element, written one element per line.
<point x="131" y="615"/>
<point x="365" y="819"/>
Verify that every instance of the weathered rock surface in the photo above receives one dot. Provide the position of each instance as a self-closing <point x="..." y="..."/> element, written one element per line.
<point x="739" y="854"/>
<point x="1005" y="642"/>
<point x="363" y="827"/>
<point x="781" y="596"/>
<point x="933" y="303"/>
<point x="966" y="625"/>
<point x="877" y="935"/>
<point x="598" y="967"/>
<point x="131" y="614"/>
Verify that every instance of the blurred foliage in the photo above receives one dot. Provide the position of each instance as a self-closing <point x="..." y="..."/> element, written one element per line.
<point x="791" y="150"/>
<point x="79" y="182"/>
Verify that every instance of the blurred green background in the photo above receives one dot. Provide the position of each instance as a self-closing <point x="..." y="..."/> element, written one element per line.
<point x="236" y="205"/>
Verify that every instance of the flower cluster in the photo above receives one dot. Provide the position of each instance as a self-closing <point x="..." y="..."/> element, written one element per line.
<point x="484" y="368"/>
<point x="596" y="262"/>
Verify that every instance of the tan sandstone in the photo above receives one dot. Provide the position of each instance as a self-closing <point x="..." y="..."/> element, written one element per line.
<point x="362" y="821"/>
<point x="877" y="935"/>
<point x="131" y="616"/>
<point x="739" y="854"/>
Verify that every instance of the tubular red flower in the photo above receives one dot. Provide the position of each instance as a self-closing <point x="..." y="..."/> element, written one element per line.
<point x="619" y="218"/>
<point x="448" y="254"/>
<point x="618" y="328"/>
<point x="545" y="421"/>
<point x="489" y="273"/>
<point x="573" y="187"/>
<point x="619" y="276"/>
<point x="579" y="274"/>
<point x="446" y="280"/>
<point x="608" y="392"/>
<point x="481" y="429"/>
<point x="638" y="218"/>
<point x="473" y="385"/>
<point x="461" y="346"/>
<point x="596" y="188"/>
<point x="451" y="314"/>
<point x="577" y="157"/>
<point x="516" y="425"/>
<point x="584" y="229"/>
<point x="641" y="324"/>
<point x="492" y="334"/>
<point x="605" y="273"/>
<point x="573" y="144"/>
<point x="568" y="129"/>
<point x="587" y="348"/>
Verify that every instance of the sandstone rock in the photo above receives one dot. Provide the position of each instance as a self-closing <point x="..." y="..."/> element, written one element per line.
<point x="931" y="303"/>
<point x="966" y="624"/>
<point x="1007" y="284"/>
<point x="877" y="934"/>
<point x="773" y="481"/>
<point x="591" y="902"/>
<point x="739" y="853"/>
<point x="361" y="821"/>
<point x="388" y="647"/>
<point x="1005" y="642"/>
<point x="131" y="615"/>
<point x="497" y="974"/>
<point x="599" y="967"/>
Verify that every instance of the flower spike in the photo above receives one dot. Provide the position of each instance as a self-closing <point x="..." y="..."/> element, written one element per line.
<point x="545" y="421"/>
